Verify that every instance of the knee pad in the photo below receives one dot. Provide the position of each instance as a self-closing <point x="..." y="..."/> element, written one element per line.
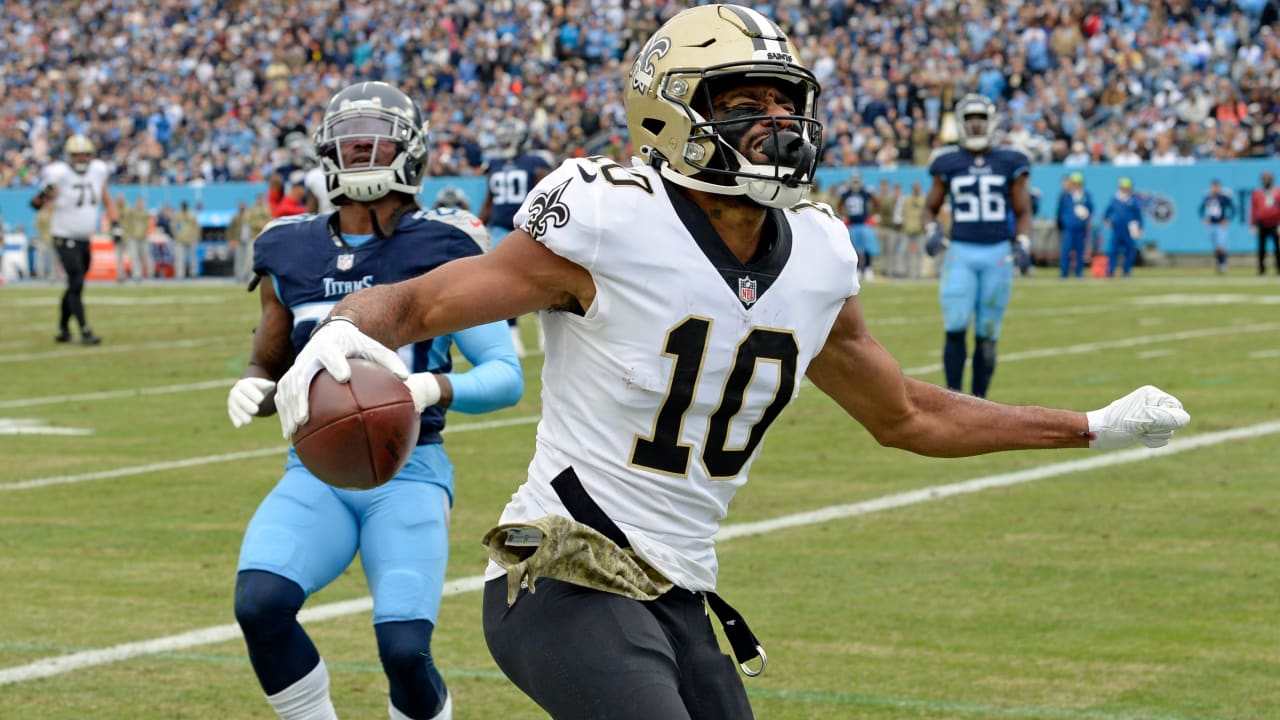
<point x="266" y="602"/>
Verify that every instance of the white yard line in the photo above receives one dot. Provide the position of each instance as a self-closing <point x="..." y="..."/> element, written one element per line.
<point x="117" y="394"/>
<point x="224" y="457"/>
<point x="79" y="352"/>
<point x="49" y="667"/>
<point x="932" y="367"/>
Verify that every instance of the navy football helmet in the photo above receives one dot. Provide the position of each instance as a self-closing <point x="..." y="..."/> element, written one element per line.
<point x="510" y="138"/>
<point x="373" y="114"/>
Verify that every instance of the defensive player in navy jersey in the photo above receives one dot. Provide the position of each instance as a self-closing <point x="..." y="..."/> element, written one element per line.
<point x="986" y="188"/>
<point x="687" y="296"/>
<point x="1217" y="209"/>
<point x="513" y="170"/>
<point x="859" y="205"/>
<point x="372" y="144"/>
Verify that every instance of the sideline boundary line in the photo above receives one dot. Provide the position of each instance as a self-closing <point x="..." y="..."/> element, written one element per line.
<point x="50" y="667"/>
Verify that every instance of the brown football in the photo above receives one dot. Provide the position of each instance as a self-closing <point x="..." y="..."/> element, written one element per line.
<point x="360" y="433"/>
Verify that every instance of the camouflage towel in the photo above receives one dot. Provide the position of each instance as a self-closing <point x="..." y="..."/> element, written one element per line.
<point x="556" y="547"/>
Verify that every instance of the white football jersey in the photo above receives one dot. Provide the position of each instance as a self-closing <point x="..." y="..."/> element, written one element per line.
<point x="315" y="184"/>
<point x="78" y="202"/>
<point x="464" y="220"/>
<point x="659" y="396"/>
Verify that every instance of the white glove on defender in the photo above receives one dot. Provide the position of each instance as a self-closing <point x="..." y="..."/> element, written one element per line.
<point x="1147" y="415"/>
<point x="246" y="398"/>
<point x="328" y="349"/>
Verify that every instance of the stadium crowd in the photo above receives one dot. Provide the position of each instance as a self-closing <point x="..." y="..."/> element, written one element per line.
<point x="186" y="91"/>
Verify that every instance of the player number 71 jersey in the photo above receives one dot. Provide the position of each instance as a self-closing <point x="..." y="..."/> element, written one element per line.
<point x="78" y="199"/>
<point x="681" y="364"/>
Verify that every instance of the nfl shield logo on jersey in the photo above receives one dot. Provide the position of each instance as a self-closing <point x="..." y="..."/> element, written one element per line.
<point x="747" y="290"/>
<point x="346" y="261"/>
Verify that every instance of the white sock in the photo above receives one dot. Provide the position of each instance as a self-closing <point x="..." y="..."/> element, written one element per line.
<point x="307" y="699"/>
<point x="446" y="712"/>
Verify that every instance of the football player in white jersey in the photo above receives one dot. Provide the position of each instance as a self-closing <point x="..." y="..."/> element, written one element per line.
<point x="77" y="191"/>
<point x="318" y="199"/>
<point x="688" y="294"/>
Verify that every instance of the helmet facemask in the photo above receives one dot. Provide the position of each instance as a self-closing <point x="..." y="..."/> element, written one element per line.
<point x="510" y="137"/>
<point x="79" y="151"/>
<point x="367" y="151"/>
<point x="789" y="142"/>
<point x="975" y="123"/>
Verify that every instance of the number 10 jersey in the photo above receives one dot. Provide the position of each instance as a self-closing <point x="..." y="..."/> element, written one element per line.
<point x="658" y="397"/>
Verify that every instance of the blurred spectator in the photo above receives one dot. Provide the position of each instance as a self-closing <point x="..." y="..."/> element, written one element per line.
<point x="135" y="221"/>
<point x="287" y="198"/>
<point x="912" y="210"/>
<point x="186" y="238"/>
<point x="208" y="92"/>
<point x="1264" y="216"/>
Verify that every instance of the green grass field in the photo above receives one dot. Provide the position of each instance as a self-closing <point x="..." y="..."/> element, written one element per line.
<point x="1132" y="586"/>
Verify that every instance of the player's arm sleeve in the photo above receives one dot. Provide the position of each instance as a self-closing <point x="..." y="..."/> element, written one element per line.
<point x="495" y="379"/>
<point x="563" y="211"/>
<point x="1021" y="164"/>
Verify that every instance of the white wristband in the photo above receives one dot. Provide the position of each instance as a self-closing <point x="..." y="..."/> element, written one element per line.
<point x="425" y="389"/>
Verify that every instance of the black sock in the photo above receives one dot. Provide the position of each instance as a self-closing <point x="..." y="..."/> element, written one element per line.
<point x="954" y="353"/>
<point x="984" y="365"/>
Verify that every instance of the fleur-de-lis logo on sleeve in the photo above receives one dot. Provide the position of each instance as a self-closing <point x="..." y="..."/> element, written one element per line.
<point x="546" y="211"/>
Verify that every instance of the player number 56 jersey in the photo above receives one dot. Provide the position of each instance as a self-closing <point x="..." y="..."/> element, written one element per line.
<point x="978" y="191"/>
<point x="683" y="361"/>
<point x="78" y="201"/>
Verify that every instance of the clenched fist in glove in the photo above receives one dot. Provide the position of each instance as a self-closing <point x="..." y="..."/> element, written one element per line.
<point x="246" y="398"/>
<point x="1022" y="253"/>
<point x="1147" y="415"/>
<point x="333" y="341"/>
<point x="935" y="242"/>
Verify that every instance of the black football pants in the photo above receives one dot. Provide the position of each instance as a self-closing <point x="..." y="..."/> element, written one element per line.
<point x="583" y="654"/>
<point x="74" y="255"/>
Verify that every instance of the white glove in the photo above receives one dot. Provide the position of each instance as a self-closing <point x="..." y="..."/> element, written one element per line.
<point x="245" y="399"/>
<point x="425" y="389"/>
<point x="1147" y="415"/>
<point x="335" y="340"/>
<point x="1024" y="244"/>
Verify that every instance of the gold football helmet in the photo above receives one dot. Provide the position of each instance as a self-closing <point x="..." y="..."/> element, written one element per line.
<point x="704" y="50"/>
<point x="79" y="151"/>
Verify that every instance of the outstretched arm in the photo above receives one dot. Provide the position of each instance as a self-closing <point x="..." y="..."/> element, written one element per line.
<point x="519" y="276"/>
<point x="860" y="375"/>
<point x="864" y="379"/>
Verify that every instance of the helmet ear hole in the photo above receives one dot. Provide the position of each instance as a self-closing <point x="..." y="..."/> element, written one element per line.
<point x="654" y="125"/>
